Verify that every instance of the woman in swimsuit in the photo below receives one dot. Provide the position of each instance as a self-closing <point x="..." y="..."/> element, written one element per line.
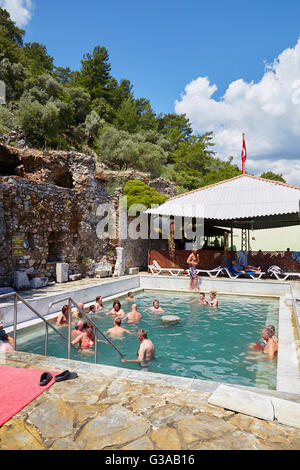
<point x="156" y="308"/>
<point x="117" y="310"/>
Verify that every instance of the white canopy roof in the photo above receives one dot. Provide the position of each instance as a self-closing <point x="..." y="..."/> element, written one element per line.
<point x="244" y="196"/>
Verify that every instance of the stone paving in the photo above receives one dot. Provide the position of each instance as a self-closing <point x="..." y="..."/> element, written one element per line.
<point x="105" y="409"/>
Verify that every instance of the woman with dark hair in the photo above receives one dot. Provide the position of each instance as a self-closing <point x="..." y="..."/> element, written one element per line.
<point x="63" y="318"/>
<point x="117" y="310"/>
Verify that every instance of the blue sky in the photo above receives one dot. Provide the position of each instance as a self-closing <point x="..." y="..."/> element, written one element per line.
<point x="209" y="57"/>
<point x="162" y="45"/>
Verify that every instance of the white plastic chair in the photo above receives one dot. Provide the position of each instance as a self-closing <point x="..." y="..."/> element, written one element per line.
<point x="281" y="275"/>
<point x="257" y="275"/>
<point x="155" y="268"/>
<point x="211" y="272"/>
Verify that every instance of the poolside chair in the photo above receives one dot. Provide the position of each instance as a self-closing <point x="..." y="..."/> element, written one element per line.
<point x="155" y="268"/>
<point x="233" y="275"/>
<point x="211" y="272"/>
<point x="281" y="275"/>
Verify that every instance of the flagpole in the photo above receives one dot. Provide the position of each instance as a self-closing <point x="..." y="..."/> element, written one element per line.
<point x="243" y="165"/>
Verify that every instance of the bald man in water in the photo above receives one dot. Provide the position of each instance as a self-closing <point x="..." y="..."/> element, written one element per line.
<point x="146" y="350"/>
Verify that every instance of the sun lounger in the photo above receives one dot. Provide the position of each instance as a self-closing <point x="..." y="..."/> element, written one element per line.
<point x="281" y="275"/>
<point x="233" y="275"/>
<point x="211" y="272"/>
<point x="155" y="268"/>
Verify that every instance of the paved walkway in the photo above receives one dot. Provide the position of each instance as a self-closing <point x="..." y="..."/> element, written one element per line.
<point x="108" y="408"/>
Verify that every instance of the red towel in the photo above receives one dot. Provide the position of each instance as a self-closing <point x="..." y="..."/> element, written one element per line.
<point x="19" y="387"/>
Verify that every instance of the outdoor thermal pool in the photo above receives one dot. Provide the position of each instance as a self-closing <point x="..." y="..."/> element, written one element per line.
<point x="209" y="344"/>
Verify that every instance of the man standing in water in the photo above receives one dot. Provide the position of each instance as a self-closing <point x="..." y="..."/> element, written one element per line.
<point x="193" y="261"/>
<point x="146" y="350"/>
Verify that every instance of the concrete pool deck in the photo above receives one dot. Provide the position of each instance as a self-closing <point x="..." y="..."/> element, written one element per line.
<point x="110" y="408"/>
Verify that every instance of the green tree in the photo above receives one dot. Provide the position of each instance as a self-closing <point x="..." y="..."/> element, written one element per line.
<point x="269" y="175"/>
<point x="11" y="38"/>
<point x="138" y="192"/>
<point x="36" y="59"/>
<point x="95" y="75"/>
<point x="175" y="127"/>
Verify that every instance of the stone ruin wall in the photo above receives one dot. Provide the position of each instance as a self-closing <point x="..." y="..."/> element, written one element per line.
<point x="50" y="200"/>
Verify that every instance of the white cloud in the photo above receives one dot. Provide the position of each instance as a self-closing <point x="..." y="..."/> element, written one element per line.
<point x="20" y="10"/>
<point x="268" y="112"/>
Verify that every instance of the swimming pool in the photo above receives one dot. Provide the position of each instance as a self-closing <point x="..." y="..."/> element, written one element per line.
<point x="209" y="344"/>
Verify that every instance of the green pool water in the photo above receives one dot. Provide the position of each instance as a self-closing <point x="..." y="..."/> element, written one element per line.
<point x="209" y="344"/>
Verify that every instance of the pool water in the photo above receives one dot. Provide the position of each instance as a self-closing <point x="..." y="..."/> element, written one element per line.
<point x="209" y="344"/>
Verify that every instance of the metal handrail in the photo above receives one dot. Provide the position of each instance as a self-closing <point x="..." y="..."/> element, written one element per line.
<point x="70" y="301"/>
<point x="15" y="322"/>
<point x="88" y="318"/>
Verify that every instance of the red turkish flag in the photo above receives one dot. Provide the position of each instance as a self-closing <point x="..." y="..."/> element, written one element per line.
<point x="244" y="150"/>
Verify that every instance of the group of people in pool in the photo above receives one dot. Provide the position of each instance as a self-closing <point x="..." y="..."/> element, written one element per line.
<point x="83" y="333"/>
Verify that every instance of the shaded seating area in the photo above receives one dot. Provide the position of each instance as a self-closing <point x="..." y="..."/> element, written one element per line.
<point x="245" y="202"/>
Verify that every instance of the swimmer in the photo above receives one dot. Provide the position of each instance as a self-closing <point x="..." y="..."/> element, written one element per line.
<point x="99" y="303"/>
<point x="117" y="331"/>
<point x="202" y="300"/>
<point x="130" y="297"/>
<point x="87" y="339"/>
<point x="117" y="310"/>
<point x="156" y="307"/>
<point x="146" y="350"/>
<point x="63" y="318"/>
<point x="213" y="299"/>
<point x="78" y="329"/>
<point x="77" y="315"/>
<point x="92" y="310"/>
<point x="272" y="328"/>
<point x="134" y="315"/>
<point x="269" y="346"/>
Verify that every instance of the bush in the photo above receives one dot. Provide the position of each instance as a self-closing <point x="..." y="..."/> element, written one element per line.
<point x="138" y="192"/>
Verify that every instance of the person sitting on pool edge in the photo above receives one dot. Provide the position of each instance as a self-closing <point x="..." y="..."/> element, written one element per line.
<point x="117" y="331"/>
<point x="146" y="350"/>
<point x="117" y="310"/>
<point x="213" y="299"/>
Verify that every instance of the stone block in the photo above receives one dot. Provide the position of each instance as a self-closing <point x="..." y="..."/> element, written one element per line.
<point x="287" y="412"/>
<point x="20" y="281"/>
<point x="38" y="282"/>
<point x="100" y="273"/>
<point x="74" y="277"/>
<point x="120" y="263"/>
<point x="62" y="272"/>
<point x="243" y="401"/>
<point x="132" y="271"/>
